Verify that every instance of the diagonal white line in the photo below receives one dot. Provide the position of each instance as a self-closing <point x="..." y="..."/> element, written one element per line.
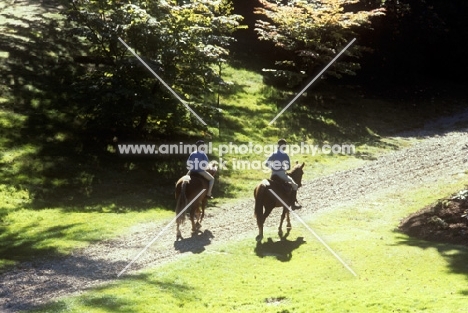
<point x="162" y="81"/>
<point x="312" y="81"/>
<point x="160" y="233"/>
<point x="314" y="233"/>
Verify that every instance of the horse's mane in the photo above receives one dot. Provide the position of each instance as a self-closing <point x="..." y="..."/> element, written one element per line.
<point x="212" y="167"/>
<point x="295" y="168"/>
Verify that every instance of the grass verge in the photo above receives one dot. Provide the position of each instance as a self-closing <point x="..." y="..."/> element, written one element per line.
<point x="27" y="234"/>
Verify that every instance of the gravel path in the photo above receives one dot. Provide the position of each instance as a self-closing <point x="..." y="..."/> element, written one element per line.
<point x="440" y="155"/>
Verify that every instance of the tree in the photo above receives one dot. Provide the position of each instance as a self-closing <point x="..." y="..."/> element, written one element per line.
<point x="180" y="41"/>
<point x="311" y="33"/>
<point x="419" y="40"/>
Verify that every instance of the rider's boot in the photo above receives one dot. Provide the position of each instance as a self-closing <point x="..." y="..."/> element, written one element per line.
<point x="294" y="204"/>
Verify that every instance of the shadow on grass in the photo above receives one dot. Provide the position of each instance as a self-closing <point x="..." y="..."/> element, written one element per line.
<point x="196" y="243"/>
<point x="281" y="249"/>
<point x="16" y="246"/>
<point x="55" y="161"/>
<point x="112" y="300"/>
<point x="58" y="276"/>
<point x="455" y="255"/>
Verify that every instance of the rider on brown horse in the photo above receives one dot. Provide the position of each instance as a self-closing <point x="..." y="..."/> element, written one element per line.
<point x="279" y="162"/>
<point x="198" y="162"/>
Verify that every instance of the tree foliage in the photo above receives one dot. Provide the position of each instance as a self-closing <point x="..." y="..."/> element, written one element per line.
<point x="312" y="32"/>
<point x="180" y="41"/>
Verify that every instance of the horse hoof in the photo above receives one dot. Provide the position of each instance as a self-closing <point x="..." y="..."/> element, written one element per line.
<point x="259" y="238"/>
<point x="197" y="226"/>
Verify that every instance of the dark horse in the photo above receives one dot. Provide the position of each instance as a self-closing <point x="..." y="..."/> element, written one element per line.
<point x="265" y="199"/>
<point x="187" y="188"/>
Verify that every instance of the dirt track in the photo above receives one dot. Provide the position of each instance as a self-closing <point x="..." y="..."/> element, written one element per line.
<point x="440" y="155"/>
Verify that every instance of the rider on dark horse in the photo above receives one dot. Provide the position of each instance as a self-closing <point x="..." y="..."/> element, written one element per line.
<point x="279" y="162"/>
<point x="197" y="163"/>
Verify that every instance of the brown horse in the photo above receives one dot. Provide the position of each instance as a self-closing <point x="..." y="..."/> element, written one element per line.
<point x="265" y="199"/>
<point x="187" y="188"/>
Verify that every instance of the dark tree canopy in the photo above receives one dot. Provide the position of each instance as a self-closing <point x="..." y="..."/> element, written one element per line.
<point x="180" y="41"/>
<point x="417" y="40"/>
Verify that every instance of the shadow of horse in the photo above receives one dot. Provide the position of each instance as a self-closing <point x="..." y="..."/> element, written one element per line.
<point x="195" y="244"/>
<point x="281" y="249"/>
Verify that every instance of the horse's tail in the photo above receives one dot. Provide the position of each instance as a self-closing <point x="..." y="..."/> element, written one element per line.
<point x="259" y="195"/>
<point x="182" y="200"/>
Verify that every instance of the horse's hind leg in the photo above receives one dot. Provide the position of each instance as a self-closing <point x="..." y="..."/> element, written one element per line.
<point x="195" y="215"/>
<point x="260" y="229"/>
<point x="192" y="220"/>
<point x="198" y="218"/>
<point x="201" y="214"/>
<point x="260" y="222"/>
<point x="203" y="210"/>
<point x="179" y="235"/>
<point x="280" y="228"/>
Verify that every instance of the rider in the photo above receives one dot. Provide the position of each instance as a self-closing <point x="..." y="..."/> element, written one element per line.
<point x="279" y="163"/>
<point x="197" y="162"/>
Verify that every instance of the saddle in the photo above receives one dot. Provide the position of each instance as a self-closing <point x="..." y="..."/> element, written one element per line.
<point x="195" y="174"/>
<point x="279" y="182"/>
<point x="287" y="188"/>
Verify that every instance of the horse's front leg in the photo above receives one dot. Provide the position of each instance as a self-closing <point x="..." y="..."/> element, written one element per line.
<point x="288" y="221"/>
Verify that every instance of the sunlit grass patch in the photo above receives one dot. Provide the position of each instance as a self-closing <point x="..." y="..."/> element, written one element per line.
<point x="10" y="119"/>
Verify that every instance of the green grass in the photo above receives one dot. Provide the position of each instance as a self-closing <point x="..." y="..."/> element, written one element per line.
<point x="395" y="273"/>
<point x="26" y="233"/>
